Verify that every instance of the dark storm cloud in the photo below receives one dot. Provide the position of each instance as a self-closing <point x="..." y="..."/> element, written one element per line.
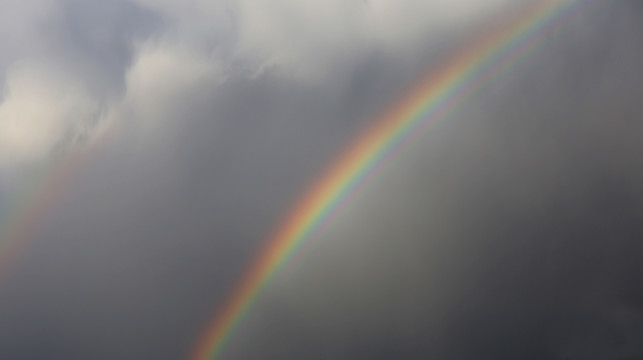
<point x="512" y="233"/>
<point x="522" y="243"/>
<point x="162" y="227"/>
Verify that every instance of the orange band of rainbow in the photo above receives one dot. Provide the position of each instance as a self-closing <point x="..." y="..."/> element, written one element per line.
<point x="438" y="93"/>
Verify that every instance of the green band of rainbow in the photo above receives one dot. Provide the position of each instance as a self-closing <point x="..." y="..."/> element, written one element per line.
<point x="45" y="186"/>
<point x="438" y="93"/>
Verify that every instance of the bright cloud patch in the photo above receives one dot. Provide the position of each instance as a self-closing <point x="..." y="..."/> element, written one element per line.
<point x="41" y="108"/>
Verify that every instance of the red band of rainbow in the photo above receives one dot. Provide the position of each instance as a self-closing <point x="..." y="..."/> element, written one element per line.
<point x="438" y="93"/>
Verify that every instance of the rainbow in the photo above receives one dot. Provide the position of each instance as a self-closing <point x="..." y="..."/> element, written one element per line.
<point x="31" y="205"/>
<point x="45" y="186"/>
<point x="438" y="93"/>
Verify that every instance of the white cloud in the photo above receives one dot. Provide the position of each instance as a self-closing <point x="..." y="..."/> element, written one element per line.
<point x="162" y="71"/>
<point x="40" y="106"/>
<point x="202" y="42"/>
<point x="307" y="36"/>
<point x="162" y="78"/>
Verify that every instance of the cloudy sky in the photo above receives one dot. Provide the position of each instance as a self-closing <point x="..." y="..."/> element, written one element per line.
<point x="183" y="131"/>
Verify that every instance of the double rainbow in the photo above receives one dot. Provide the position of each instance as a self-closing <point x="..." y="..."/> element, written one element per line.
<point x="438" y="93"/>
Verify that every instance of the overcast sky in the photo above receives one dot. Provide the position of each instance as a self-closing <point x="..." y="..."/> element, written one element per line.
<point x="512" y="231"/>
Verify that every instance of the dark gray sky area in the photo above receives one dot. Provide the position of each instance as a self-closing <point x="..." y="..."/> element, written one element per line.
<point x="512" y="231"/>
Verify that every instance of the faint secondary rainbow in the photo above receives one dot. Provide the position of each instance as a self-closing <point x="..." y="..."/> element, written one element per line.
<point x="438" y="93"/>
<point x="28" y="209"/>
<point x="37" y="198"/>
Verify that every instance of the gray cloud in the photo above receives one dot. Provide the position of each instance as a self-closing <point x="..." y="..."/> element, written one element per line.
<point x="62" y="63"/>
<point x="94" y="45"/>
<point x="511" y="232"/>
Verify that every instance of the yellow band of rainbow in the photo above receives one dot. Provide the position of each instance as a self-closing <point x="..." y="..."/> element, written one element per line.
<point x="438" y="93"/>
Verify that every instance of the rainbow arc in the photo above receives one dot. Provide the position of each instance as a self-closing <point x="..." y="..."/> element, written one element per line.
<point x="437" y="94"/>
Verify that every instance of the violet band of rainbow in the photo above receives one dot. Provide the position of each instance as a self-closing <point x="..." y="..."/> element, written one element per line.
<point x="438" y="93"/>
